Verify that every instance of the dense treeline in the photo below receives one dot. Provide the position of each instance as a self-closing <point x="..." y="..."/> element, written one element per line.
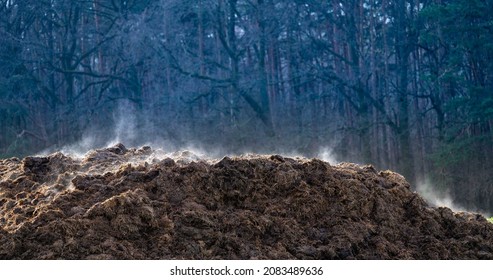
<point x="402" y="84"/>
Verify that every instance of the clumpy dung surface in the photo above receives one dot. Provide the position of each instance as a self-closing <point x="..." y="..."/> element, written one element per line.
<point x="127" y="203"/>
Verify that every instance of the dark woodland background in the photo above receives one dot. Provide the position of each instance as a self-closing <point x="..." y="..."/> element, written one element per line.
<point x="403" y="85"/>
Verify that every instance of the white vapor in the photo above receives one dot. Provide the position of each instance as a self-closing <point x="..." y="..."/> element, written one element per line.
<point x="441" y="198"/>
<point x="125" y="124"/>
<point x="80" y="148"/>
<point x="327" y="154"/>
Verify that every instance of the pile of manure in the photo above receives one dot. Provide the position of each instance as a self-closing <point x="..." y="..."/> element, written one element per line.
<point x="128" y="203"/>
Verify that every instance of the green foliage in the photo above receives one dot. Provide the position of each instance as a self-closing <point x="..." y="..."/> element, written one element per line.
<point x="455" y="152"/>
<point x="139" y="6"/>
<point x="490" y="220"/>
<point x="462" y="30"/>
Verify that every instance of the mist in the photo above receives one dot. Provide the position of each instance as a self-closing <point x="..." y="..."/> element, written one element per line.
<point x="440" y="198"/>
<point x="136" y="128"/>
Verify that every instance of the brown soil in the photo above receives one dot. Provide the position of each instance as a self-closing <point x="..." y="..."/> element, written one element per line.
<point x="120" y="203"/>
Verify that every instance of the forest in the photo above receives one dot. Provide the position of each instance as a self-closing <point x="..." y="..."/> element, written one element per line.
<point x="405" y="85"/>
